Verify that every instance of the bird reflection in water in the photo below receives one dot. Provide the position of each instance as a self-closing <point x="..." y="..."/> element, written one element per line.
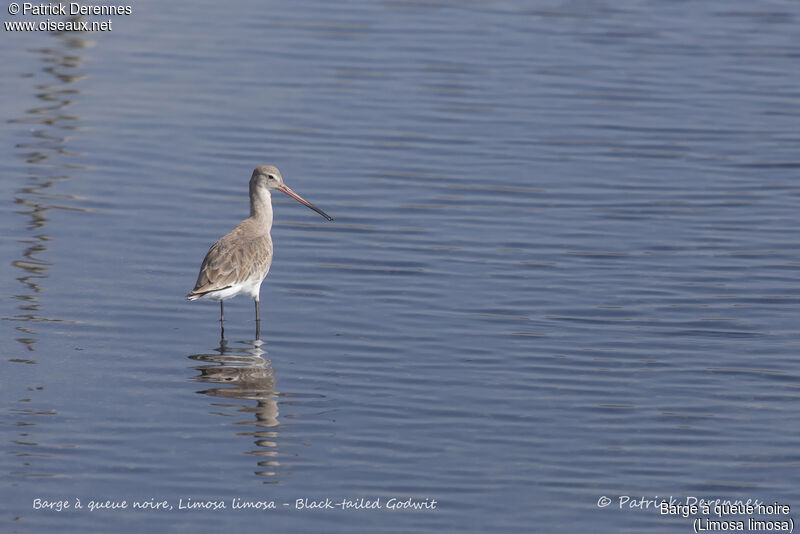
<point x="243" y="373"/>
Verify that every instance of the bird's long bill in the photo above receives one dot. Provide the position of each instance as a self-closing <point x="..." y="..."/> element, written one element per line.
<point x="288" y="191"/>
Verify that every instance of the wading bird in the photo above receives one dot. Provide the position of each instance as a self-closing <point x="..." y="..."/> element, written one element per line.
<point x="239" y="261"/>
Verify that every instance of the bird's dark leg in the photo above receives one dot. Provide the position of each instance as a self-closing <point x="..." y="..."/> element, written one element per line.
<point x="258" y="320"/>
<point x="221" y="320"/>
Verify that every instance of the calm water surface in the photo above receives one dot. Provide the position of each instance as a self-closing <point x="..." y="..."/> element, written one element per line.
<point x="564" y="264"/>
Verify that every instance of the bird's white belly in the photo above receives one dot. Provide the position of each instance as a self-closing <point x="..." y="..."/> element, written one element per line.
<point x="249" y="287"/>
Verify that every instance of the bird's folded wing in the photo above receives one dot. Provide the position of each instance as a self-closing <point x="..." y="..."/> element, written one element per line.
<point x="233" y="261"/>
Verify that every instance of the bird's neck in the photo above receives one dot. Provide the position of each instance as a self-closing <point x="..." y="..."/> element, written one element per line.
<point x="261" y="207"/>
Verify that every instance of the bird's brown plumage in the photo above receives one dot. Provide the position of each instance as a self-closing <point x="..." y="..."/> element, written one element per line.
<point x="244" y="254"/>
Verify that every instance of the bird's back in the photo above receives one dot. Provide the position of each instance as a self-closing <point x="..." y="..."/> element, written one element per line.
<point x="243" y="255"/>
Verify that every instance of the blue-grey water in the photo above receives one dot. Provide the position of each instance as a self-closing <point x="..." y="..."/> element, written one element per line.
<point x="564" y="265"/>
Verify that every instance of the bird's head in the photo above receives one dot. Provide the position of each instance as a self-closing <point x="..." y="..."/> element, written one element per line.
<point x="269" y="177"/>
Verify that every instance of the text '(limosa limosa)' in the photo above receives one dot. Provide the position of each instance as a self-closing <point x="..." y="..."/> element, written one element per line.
<point x="238" y="263"/>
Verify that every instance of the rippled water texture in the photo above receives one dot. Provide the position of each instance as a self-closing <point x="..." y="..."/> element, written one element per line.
<point x="564" y="264"/>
